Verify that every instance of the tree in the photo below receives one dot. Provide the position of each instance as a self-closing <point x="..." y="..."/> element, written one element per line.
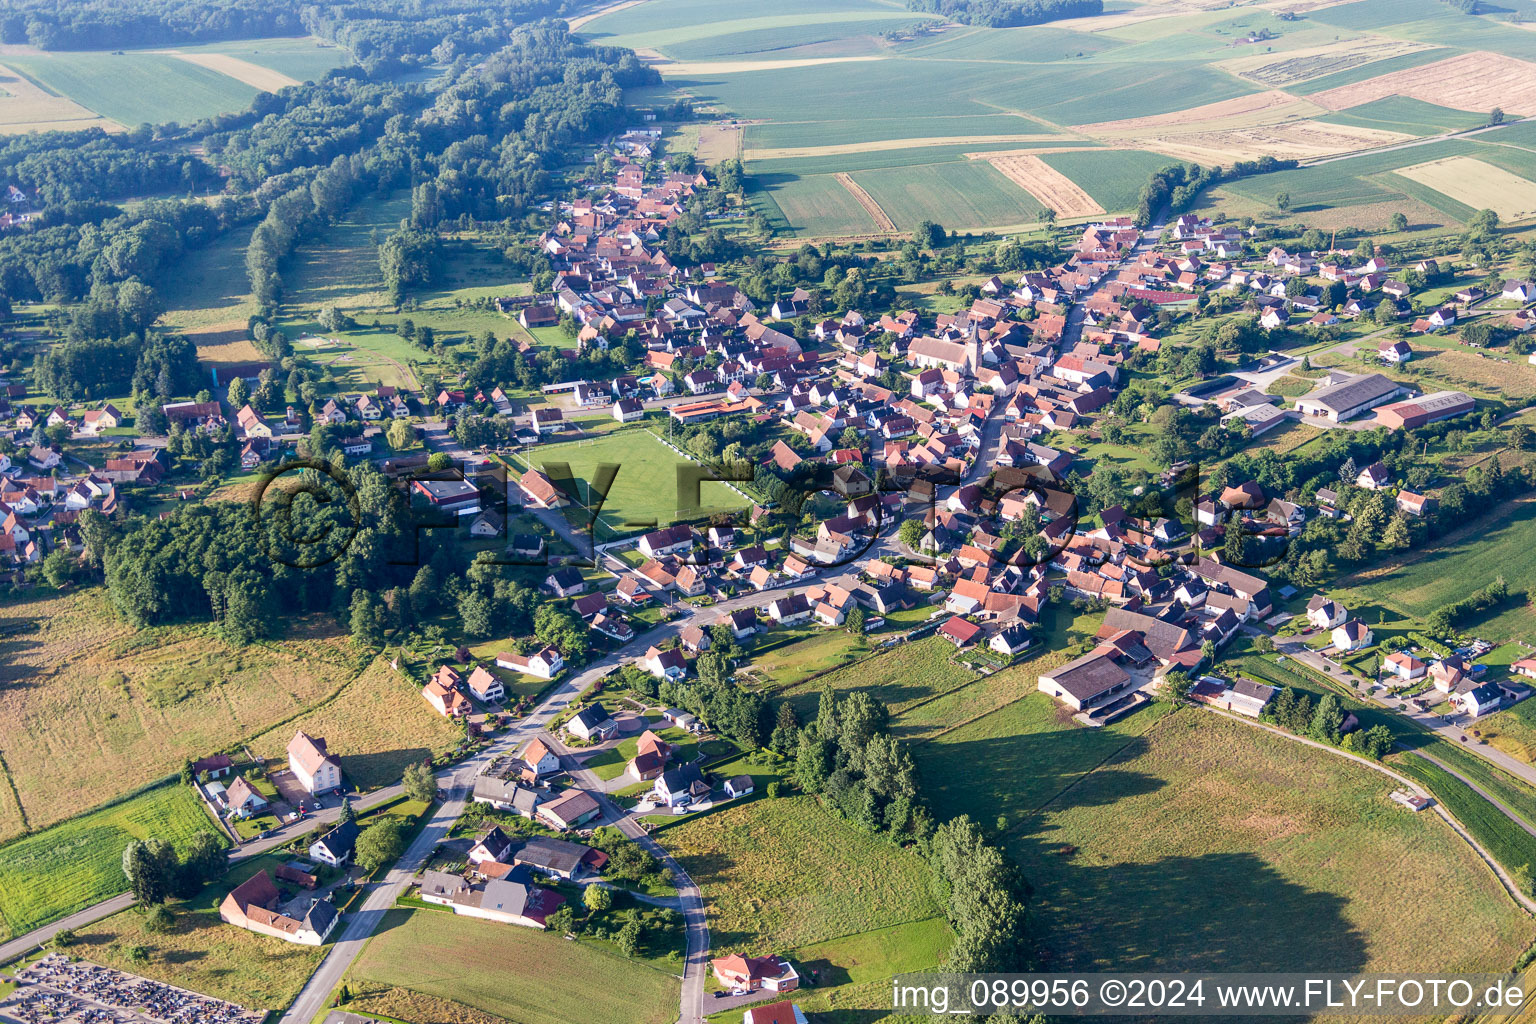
<point x="419" y="783"/>
<point x="159" y="919"/>
<point x="1397" y="536"/>
<point x="597" y="898"/>
<point x="367" y="619"/>
<point x="239" y="393"/>
<point x="1283" y="201"/>
<point x="144" y="866"/>
<point x="400" y="434"/>
<point x="629" y="939"/>
<point x="910" y="533"/>
<point x="855" y="621"/>
<point x="930" y="235"/>
<point x="1177" y="685"/>
<point x="1327" y="719"/>
<point x="1496" y="116"/>
<point x="563" y="920"/>
<point x="347" y="813"/>
<point x="380" y="844"/>
<point x="1398" y="222"/>
<point x="58" y="567"/>
<point x="439" y="461"/>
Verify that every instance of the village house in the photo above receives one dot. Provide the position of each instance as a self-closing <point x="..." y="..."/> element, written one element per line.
<point x="316" y="770"/>
<point x="253" y="905"/>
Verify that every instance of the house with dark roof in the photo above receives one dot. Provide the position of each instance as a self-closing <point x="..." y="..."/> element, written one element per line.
<point x="336" y="846"/>
<point x="680" y="786"/>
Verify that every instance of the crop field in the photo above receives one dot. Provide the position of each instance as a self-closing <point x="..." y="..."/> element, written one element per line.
<point x="1214" y="846"/>
<point x="1052" y="189"/>
<point x="503" y="971"/>
<point x="1292" y="66"/>
<point x="1477" y="184"/>
<point x="898" y="678"/>
<point x="204" y="954"/>
<point x="1113" y="178"/>
<point x="702" y="29"/>
<point x="52" y="873"/>
<point x="137" y="87"/>
<point x="1405" y="114"/>
<point x="813" y="205"/>
<point x="779" y="874"/>
<point x="1502" y="543"/>
<point x="1471" y="81"/>
<point x="645" y="489"/>
<point x="376" y="725"/>
<point x="89" y="708"/>
<point x="302" y="59"/>
<point x="968" y="195"/>
<point x="26" y="106"/>
<point x="1292" y="140"/>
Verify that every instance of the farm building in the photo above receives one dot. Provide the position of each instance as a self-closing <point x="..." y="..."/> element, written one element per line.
<point x="1349" y="398"/>
<point x="1441" y="405"/>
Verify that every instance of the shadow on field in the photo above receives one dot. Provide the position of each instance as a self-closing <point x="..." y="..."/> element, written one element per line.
<point x="1216" y="912"/>
<point x="383" y="767"/>
<point x="16" y="633"/>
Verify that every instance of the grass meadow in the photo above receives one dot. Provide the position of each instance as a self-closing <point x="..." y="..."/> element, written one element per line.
<point x="898" y="678"/>
<point x="136" y="87"/>
<point x="301" y="58"/>
<point x="781" y="874"/>
<point x="56" y="872"/>
<point x="376" y="725"/>
<point x="103" y="708"/>
<point x="421" y="962"/>
<point x="645" y="489"/>
<point x="705" y="29"/>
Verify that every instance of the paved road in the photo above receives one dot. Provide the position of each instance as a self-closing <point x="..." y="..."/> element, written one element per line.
<point x="1447" y="730"/>
<point x="691" y="901"/>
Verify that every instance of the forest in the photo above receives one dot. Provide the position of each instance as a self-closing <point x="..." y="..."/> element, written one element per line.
<point x="1008" y="13"/>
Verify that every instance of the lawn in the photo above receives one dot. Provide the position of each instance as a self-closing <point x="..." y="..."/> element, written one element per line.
<point x="854" y="972"/>
<point x="1501" y="543"/>
<point x="1211" y="845"/>
<point x="645" y="493"/>
<point x="137" y="87"/>
<point x="779" y="874"/>
<point x="818" y="652"/>
<point x="376" y="725"/>
<point x="611" y="763"/>
<point x="60" y="870"/>
<point x="204" y="954"/>
<point x="104" y="708"/>
<point x="421" y="959"/>
<point x="899" y="678"/>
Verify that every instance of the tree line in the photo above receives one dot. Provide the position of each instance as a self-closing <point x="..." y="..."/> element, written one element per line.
<point x="1008" y="13"/>
<point x="1179" y="186"/>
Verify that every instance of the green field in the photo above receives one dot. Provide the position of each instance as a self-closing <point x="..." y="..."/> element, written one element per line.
<point x="1214" y="846"/>
<point x="1502" y="543"/>
<point x="304" y="58"/>
<point x="703" y="29"/>
<point x="854" y="972"/>
<point x="1405" y="114"/>
<point x="816" y="204"/>
<point x="780" y="874"/>
<point x="961" y="196"/>
<point x="509" y="972"/>
<point x="1113" y="178"/>
<point x="645" y="489"/>
<point x="898" y="678"/>
<point x="75" y="864"/>
<point x="137" y="87"/>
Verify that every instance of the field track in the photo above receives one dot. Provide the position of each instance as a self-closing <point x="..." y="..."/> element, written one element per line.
<point x="1054" y="189"/>
<point x="1471" y="81"/>
<point x="865" y="200"/>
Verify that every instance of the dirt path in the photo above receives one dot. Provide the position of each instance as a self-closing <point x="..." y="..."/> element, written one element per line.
<point x="866" y="200"/>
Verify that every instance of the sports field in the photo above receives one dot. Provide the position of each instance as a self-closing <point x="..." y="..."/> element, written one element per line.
<point x="60" y="870"/>
<point x="91" y="709"/>
<point x="645" y="490"/>
<point x="507" y="972"/>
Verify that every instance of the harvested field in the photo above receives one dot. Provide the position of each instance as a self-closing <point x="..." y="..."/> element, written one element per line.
<point x="732" y="67"/>
<point x="1479" y="185"/>
<point x="1279" y="70"/>
<point x="1471" y="81"/>
<point x="27" y="107"/>
<point x="1257" y="108"/>
<point x="882" y="145"/>
<point x="253" y="75"/>
<point x="716" y="143"/>
<point x="1292" y="140"/>
<point x="224" y="343"/>
<point x="1054" y="189"/>
<point x="867" y="201"/>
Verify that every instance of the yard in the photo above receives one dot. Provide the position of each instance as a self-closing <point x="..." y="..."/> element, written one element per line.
<point x="104" y="709"/>
<point x="1210" y="845"/>
<point x="421" y="963"/>
<point x="60" y="870"/>
<point x="376" y="725"/>
<point x="611" y="763"/>
<point x="204" y="954"/>
<point x="779" y="874"/>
